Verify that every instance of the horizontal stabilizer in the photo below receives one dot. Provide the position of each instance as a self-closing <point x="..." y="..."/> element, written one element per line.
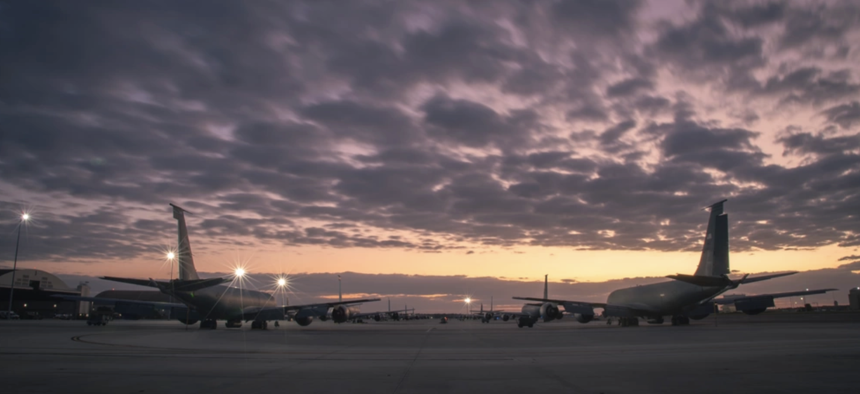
<point x="197" y="284"/>
<point x="121" y="300"/>
<point x="178" y="285"/>
<point x="139" y="282"/>
<point x="704" y="281"/>
<point x="766" y="277"/>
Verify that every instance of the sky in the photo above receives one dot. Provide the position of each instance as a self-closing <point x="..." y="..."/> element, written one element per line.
<point x="465" y="145"/>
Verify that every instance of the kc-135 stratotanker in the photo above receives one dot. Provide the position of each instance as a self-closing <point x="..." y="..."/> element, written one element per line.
<point x="209" y="300"/>
<point x="685" y="297"/>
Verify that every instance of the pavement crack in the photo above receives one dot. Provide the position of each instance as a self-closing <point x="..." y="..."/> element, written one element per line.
<point x="412" y="362"/>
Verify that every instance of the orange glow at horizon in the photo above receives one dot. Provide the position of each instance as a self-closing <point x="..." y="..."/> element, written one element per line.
<point x="522" y="263"/>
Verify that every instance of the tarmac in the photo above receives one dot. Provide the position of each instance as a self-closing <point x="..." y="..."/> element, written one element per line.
<point x="798" y="352"/>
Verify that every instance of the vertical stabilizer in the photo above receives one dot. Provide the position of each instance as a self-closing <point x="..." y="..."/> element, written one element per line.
<point x="715" y="252"/>
<point x="545" y="287"/>
<point x="339" y="293"/>
<point x="184" y="256"/>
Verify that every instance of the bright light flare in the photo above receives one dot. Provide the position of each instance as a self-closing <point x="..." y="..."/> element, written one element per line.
<point x="282" y="282"/>
<point x="468" y="300"/>
<point x="240" y="272"/>
<point x="25" y="217"/>
<point x="170" y="255"/>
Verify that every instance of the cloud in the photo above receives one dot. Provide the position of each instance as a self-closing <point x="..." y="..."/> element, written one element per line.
<point x="844" y="115"/>
<point x="442" y="127"/>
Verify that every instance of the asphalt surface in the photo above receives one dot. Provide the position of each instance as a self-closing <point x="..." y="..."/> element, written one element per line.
<point x="799" y="352"/>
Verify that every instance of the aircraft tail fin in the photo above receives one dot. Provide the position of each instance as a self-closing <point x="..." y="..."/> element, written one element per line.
<point x="184" y="256"/>
<point x="715" y="252"/>
<point x="545" y="286"/>
<point x="339" y="292"/>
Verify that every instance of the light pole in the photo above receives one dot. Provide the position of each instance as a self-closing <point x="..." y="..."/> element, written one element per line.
<point x="24" y="219"/>
<point x="171" y="256"/>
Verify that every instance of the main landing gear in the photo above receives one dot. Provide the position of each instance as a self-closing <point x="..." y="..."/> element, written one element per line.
<point x="628" y="321"/>
<point x="233" y="323"/>
<point x="680" y="320"/>
<point x="209" y="324"/>
<point x="259" y="325"/>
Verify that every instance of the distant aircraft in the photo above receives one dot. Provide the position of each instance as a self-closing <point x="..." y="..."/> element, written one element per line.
<point x="686" y="297"/>
<point x="487" y="316"/>
<point x="208" y="300"/>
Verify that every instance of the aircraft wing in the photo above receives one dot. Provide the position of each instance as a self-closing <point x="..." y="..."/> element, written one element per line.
<point x="120" y="300"/>
<point x="563" y="302"/>
<point x="741" y="299"/>
<point x="280" y="312"/>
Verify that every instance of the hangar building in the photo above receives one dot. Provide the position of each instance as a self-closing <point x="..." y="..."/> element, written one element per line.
<point x="34" y="293"/>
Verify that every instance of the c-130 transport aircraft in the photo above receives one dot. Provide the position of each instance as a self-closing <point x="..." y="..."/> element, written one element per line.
<point x="209" y="300"/>
<point x="686" y="297"/>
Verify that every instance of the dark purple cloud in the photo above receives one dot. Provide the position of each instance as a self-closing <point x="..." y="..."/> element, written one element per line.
<point x="429" y="127"/>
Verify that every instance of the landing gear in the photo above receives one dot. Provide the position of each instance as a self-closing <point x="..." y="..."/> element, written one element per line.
<point x="208" y="324"/>
<point x="259" y="325"/>
<point x="680" y="320"/>
<point x="628" y="321"/>
<point x="233" y="324"/>
<point x="658" y="320"/>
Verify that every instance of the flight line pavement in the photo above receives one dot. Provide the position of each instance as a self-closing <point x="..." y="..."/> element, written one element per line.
<point x="756" y="354"/>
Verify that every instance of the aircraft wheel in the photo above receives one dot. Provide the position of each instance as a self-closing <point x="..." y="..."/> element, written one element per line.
<point x="520" y="325"/>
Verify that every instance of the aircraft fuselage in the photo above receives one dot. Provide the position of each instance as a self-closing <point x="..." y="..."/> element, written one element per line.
<point x="223" y="302"/>
<point x="658" y="299"/>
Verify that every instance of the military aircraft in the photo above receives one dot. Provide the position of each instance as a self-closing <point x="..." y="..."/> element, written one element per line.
<point x="487" y="316"/>
<point x="208" y="300"/>
<point x="533" y="312"/>
<point x="686" y="297"/>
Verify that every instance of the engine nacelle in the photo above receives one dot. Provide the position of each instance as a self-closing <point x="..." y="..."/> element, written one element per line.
<point x="304" y="321"/>
<point x="377" y="318"/>
<point x="340" y="313"/>
<point x="506" y="317"/>
<point x="549" y="311"/>
<point x="584" y="318"/>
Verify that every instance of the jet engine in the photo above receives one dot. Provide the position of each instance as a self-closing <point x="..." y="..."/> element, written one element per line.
<point x="341" y="313"/>
<point x="304" y="321"/>
<point x="377" y="318"/>
<point x="549" y="311"/>
<point x="506" y="317"/>
<point x="584" y="318"/>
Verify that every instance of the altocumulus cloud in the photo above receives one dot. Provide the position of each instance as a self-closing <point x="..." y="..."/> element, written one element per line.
<point x="430" y="126"/>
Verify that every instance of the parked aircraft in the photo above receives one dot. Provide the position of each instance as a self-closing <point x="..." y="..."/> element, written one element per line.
<point x="208" y="300"/>
<point x="686" y="297"/>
